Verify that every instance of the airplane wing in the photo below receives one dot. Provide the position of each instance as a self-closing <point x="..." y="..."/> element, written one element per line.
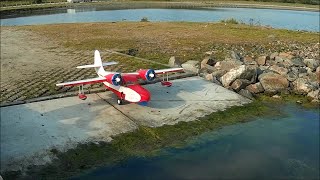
<point x="162" y="71"/>
<point x="82" y="82"/>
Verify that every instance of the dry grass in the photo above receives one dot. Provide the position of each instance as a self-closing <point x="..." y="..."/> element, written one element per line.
<point x="159" y="41"/>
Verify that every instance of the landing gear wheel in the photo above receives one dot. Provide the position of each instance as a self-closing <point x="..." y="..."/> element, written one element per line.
<point x="120" y="101"/>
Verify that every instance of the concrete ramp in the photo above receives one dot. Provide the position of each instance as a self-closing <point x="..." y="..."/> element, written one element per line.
<point x="30" y="131"/>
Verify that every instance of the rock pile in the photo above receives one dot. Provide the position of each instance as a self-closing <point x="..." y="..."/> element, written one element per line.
<point x="271" y="74"/>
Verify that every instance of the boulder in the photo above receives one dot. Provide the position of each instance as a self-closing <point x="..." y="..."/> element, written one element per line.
<point x="302" y="86"/>
<point x="233" y="56"/>
<point x="318" y="73"/>
<point x="174" y="62"/>
<point x="285" y="55"/>
<point x="314" y="95"/>
<point x="216" y="81"/>
<point x="227" y="65"/>
<point x="297" y="61"/>
<point x="232" y="75"/>
<point x="312" y="63"/>
<point x="192" y="66"/>
<point x="291" y="76"/>
<point x="273" y="55"/>
<point x="208" y="63"/>
<point x="239" y="84"/>
<point x="279" y="70"/>
<point x="246" y="93"/>
<point x="255" y="88"/>
<point x="241" y="72"/>
<point x="261" y="60"/>
<point x="278" y="59"/>
<point x="208" y="77"/>
<point x="276" y="96"/>
<point x="273" y="83"/>
<point x="249" y="60"/>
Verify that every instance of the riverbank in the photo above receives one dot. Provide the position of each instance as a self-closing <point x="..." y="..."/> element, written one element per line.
<point x="45" y="8"/>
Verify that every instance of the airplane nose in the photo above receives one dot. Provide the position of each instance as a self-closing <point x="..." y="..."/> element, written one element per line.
<point x="144" y="94"/>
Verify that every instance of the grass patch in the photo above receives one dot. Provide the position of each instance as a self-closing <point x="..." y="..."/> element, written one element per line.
<point x="143" y="142"/>
<point x="160" y="40"/>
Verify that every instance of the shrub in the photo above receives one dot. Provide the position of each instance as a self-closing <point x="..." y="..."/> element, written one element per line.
<point x="144" y="19"/>
<point x="230" y="21"/>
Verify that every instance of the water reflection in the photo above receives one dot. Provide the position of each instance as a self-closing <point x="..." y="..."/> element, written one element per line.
<point x="268" y="148"/>
<point x="287" y="19"/>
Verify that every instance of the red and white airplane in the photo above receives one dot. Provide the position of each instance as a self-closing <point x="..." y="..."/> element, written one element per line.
<point x="124" y="85"/>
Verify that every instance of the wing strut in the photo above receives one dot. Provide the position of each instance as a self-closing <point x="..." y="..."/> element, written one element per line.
<point x="81" y="94"/>
<point x="167" y="82"/>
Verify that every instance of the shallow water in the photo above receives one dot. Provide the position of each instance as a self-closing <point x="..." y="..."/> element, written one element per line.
<point x="279" y="148"/>
<point x="286" y="19"/>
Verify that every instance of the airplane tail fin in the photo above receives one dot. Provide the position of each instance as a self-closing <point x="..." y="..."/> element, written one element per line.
<point x="98" y="65"/>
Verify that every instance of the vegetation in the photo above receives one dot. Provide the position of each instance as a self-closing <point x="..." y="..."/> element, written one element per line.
<point x="230" y="21"/>
<point x="159" y="41"/>
<point x="143" y="142"/>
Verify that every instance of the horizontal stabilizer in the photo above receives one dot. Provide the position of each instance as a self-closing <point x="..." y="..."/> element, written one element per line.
<point x="96" y="66"/>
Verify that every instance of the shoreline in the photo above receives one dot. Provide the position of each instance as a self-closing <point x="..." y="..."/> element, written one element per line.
<point x="8" y="11"/>
<point x="89" y="155"/>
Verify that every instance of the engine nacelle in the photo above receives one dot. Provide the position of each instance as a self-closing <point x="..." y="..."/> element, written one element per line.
<point x="147" y="74"/>
<point x="114" y="79"/>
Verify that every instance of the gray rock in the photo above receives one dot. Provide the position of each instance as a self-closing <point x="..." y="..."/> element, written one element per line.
<point x="192" y="66"/>
<point x="279" y="70"/>
<point x="302" y="86"/>
<point x="291" y="76"/>
<point x="273" y="83"/>
<point x="276" y="96"/>
<point x="208" y="77"/>
<point x="314" y="95"/>
<point x="312" y="63"/>
<point x="234" y="56"/>
<point x="246" y="93"/>
<point x="278" y="59"/>
<point x="273" y="55"/>
<point x="298" y="62"/>
<point x="227" y="65"/>
<point x="232" y="75"/>
<point x="208" y="63"/>
<point x="174" y="62"/>
<point x="216" y="81"/>
<point x="302" y="70"/>
<point x="255" y="88"/>
<point x="285" y="55"/>
<point x="239" y="84"/>
<point x="261" y="60"/>
<point x="241" y="72"/>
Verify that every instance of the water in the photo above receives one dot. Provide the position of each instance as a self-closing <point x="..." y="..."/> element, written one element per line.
<point x="267" y="148"/>
<point x="286" y="19"/>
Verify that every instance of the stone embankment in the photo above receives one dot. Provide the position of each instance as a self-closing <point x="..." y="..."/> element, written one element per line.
<point x="293" y="72"/>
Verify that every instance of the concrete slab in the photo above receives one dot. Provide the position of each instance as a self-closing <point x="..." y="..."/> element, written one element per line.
<point x="29" y="131"/>
<point x="187" y="100"/>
